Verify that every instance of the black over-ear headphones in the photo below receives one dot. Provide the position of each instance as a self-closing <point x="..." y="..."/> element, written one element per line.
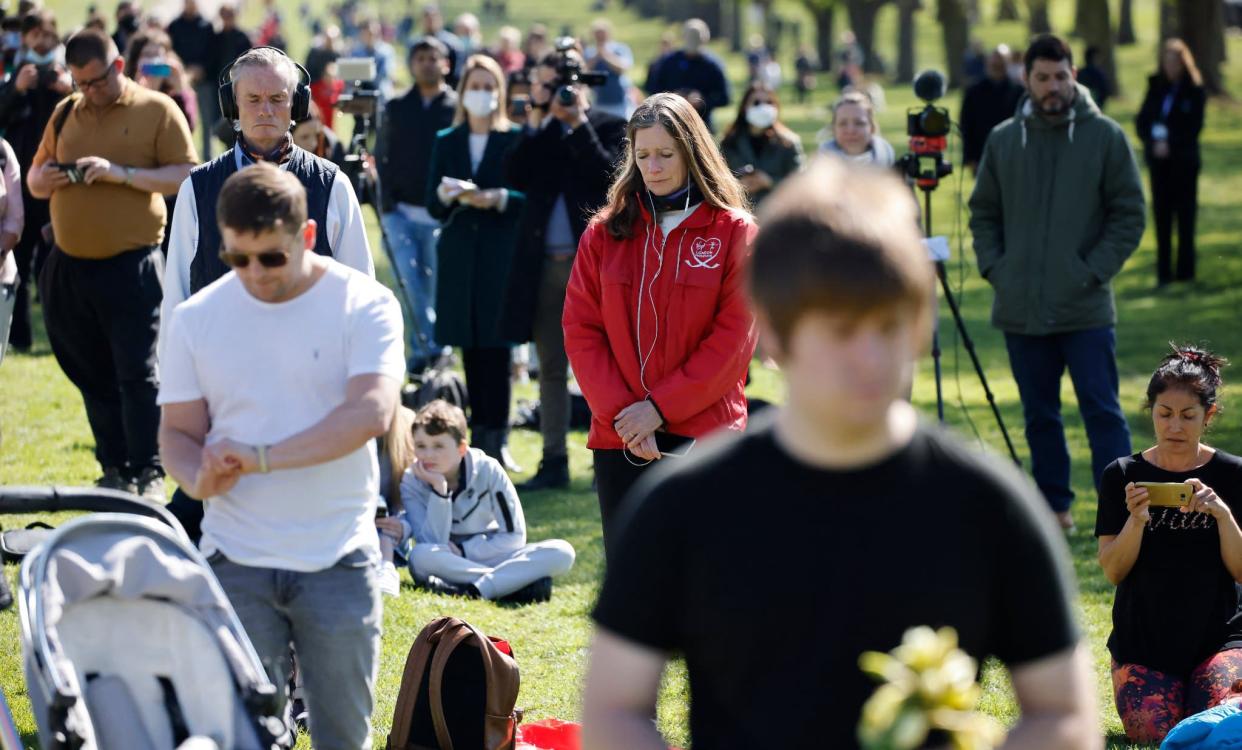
<point x="301" y="93"/>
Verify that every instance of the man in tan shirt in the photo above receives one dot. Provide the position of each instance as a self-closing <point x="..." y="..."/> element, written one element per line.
<point x="108" y="156"/>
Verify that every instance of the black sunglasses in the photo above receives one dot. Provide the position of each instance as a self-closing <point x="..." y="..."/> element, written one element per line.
<point x="268" y="259"/>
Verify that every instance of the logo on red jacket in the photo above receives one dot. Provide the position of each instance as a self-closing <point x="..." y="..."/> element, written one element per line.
<point x="703" y="252"/>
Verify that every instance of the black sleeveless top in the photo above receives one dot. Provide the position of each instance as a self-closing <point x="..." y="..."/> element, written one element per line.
<point x="315" y="174"/>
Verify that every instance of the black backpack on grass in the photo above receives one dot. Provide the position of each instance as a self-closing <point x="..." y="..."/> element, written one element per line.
<point x="458" y="691"/>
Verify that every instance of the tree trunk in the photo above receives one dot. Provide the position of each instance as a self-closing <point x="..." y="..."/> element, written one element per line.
<point x="734" y="32"/>
<point x="905" y="40"/>
<point x="1081" y="11"/>
<point x="1096" y="29"/>
<point x="1038" y="21"/>
<point x="1125" y="24"/>
<point x="862" y="21"/>
<point x="956" y="30"/>
<point x="1007" y="10"/>
<point x="1202" y="25"/>
<point x="824" y="17"/>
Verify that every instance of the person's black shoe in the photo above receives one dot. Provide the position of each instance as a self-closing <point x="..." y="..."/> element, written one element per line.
<point x="539" y="590"/>
<point x="553" y="474"/>
<point x="437" y="585"/>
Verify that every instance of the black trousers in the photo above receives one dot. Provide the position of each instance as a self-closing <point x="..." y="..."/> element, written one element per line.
<point x="20" y="333"/>
<point x="1175" y="197"/>
<point x="102" y="319"/>
<point x="189" y="512"/>
<point x="487" y="380"/>
<point x="615" y="474"/>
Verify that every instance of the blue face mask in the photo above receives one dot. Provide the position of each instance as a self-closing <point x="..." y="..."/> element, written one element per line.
<point x="45" y="58"/>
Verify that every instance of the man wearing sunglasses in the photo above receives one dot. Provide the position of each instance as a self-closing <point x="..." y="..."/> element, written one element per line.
<point x="108" y="156"/>
<point x="264" y="85"/>
<point x="275" y="381"/>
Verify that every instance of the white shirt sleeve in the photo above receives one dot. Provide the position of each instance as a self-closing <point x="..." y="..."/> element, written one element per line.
<point x="182" y="244"/>
<point x="14" y="210"/>
<point x="178" y="376"/>
<point x="347" y="235"/>
<point x="376" y="337"/>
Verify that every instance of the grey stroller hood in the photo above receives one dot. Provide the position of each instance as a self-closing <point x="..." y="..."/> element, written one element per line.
<point x="128" y="641"/>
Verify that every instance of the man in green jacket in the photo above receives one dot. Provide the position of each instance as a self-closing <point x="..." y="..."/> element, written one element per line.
<point x="1057" y="208"/>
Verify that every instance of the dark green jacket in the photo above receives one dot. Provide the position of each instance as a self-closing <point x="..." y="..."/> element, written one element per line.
<point x="475" y="246"/>
<point x="777" y="159"/>
<point x="1057" y="208"/>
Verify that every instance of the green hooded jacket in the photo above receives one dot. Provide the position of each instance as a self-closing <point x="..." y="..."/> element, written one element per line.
<point x="1056" y="210"/>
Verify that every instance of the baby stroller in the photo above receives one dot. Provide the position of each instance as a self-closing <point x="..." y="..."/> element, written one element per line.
<point x="128" y="641"/>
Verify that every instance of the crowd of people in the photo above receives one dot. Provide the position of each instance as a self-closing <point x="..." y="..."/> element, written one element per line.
<point x="221" y="319"/>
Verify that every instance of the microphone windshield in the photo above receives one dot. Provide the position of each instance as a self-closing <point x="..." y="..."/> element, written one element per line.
<point x="929" y="85"/>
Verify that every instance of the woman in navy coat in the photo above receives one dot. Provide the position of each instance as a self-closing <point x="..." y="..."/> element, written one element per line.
<point x="467" y="193"/>
<point x="1169" y="123"/>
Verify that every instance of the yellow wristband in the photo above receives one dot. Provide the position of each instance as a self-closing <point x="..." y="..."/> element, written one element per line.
<point x="262" y="451"/>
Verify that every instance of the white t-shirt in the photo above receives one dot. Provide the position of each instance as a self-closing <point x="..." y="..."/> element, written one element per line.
<point x="269" y="371"/>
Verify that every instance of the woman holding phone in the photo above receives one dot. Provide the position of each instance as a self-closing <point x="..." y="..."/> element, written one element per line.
<point x="479" y="216"/>
<point x="657" y="327"/>
<point x="1169" y="540"/>
<point x="151" y="62"/>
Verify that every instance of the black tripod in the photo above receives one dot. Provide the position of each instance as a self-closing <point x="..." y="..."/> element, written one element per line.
<point x="927" y="186"/>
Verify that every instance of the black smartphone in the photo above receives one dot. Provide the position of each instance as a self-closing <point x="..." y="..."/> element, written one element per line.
<point x="674" y="446"/>
<point x="519" y="106"/>
<point x="381" y="511"/>
<point x="72" y="171"/>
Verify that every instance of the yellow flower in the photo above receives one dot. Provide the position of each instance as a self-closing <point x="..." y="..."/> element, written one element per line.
<point x="927" y="684"/>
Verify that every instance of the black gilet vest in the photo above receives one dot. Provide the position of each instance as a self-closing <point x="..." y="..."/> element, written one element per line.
<point x="315" y="174"/>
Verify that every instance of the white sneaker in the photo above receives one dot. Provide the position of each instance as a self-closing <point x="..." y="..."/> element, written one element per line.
<point x="389" y="580"/>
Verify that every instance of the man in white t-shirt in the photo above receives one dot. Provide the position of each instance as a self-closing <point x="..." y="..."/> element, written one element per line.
<point x="275" y="380"/>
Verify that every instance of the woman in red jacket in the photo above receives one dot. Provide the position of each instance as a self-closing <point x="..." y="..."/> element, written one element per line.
<point x="657" y="326"/>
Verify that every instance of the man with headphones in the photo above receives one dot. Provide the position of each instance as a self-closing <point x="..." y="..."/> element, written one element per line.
<point x="263" y="92"/>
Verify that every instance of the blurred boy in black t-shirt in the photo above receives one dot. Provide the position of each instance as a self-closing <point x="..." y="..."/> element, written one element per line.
<point x="772" y="560"/>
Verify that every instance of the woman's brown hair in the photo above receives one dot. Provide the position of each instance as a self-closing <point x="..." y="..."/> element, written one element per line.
<point x="697" y="150"/>
<point x="399" y="446"/>
<point x="1189" y="69"/>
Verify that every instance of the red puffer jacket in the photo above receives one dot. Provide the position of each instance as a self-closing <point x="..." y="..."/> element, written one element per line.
<point x="684" y="308"/>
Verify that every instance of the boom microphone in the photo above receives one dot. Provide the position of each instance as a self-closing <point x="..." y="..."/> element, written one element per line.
<point x="929" y="85"/>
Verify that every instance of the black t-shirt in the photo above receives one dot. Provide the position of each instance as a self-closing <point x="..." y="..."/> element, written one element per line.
<point x="772" y="577"/>
<point x="1178" y="605"/>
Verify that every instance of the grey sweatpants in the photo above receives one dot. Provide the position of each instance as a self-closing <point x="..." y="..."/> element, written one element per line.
<point x="497" y="577"/>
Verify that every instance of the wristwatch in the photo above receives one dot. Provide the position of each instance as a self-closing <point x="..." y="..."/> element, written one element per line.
<point x="129" y="175"/>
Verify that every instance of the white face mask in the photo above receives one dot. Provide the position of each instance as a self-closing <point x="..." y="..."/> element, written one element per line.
<point x="761" y="115"/>
<point x="480" y="103"/>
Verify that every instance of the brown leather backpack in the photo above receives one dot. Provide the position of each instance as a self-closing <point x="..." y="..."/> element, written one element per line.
<point x="458" y="691"/>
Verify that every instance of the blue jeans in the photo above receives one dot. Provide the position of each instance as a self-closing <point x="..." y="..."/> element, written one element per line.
<point x="413" y="245"/>
<point x="332" y="617"/>
<point x="1038" y="363"/>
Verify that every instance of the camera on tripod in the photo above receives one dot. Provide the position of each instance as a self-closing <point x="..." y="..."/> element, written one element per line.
<point x="570" y="75"/>
<point x="361" y="95"/>
<point x="928" y="130"/>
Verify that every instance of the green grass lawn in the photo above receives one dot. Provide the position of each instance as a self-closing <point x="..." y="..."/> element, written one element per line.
<point x="45" y="438"/>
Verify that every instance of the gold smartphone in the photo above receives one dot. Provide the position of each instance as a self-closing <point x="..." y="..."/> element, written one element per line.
<point x="1168" y="494"/>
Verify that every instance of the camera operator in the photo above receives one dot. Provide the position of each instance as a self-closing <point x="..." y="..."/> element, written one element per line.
<point x="563" y="164"/>
<point x="264" y="85"/>
<point x="403" y="158"/>
<point x="27" y="99"/>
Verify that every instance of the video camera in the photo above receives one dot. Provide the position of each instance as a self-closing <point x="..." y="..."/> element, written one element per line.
<point x="569" y="73"/>
<point x="928" y="130"/>
<point x="361" y="96"/>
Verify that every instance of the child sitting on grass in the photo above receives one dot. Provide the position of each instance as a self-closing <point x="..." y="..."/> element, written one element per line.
<point x="466" y="520"/>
